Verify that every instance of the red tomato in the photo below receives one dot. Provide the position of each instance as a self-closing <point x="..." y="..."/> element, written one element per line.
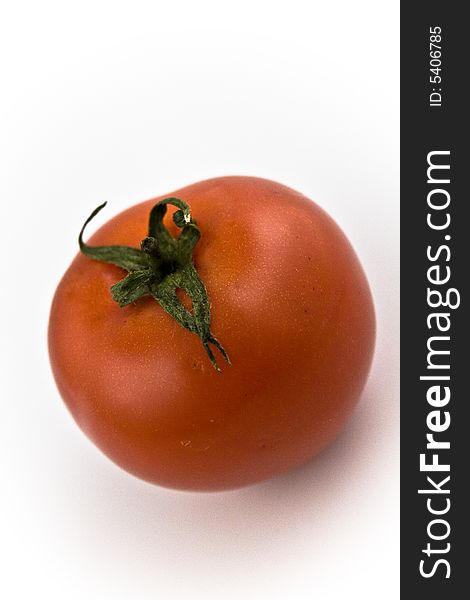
<point x="291" y="305"/>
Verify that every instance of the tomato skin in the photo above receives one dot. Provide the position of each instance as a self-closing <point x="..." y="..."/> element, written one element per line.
<point x="292" y="307"/>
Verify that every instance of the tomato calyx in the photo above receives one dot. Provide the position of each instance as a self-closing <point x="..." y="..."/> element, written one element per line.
<point x="161" y="266"/>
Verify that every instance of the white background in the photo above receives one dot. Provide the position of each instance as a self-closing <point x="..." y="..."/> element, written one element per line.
<point x="122" y="101"/>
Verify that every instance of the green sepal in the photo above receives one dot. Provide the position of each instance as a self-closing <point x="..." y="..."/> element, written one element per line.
<point x="162" y="266"/>
<point x="125" y="257"/>
<point x="132" y="287"/>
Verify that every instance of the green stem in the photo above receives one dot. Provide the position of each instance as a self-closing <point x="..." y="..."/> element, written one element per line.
<point x="163" y="265"/>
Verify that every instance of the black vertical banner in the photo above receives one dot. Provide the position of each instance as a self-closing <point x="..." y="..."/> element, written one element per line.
<point x="435" y="236"/>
